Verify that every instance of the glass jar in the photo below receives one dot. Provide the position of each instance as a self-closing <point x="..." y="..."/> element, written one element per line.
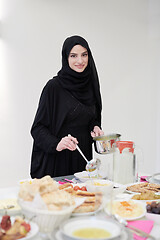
<point x="124" y="162"/>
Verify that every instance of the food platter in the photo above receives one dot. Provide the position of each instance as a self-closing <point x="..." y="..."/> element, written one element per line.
<point x="138" y="209"/>
<point x="32" y="233"/>
<point x="141" y="187"/>
<point x="8" y="202"/>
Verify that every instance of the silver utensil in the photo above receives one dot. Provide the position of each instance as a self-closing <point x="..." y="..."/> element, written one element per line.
<point x="92" y="164"/>
<point x="81" y="153"/>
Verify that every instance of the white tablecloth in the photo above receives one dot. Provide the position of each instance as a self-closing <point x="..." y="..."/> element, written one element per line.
<point x="13" y="191"/>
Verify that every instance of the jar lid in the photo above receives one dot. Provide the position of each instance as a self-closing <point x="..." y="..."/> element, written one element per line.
<point x="125" y="144"/>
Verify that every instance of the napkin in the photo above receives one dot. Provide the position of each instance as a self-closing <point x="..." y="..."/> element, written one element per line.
<point x="144" y="225"/>
<point x="143" y="179"/>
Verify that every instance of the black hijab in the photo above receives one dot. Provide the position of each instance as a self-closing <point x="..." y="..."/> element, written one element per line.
<point x="84" y="86"/>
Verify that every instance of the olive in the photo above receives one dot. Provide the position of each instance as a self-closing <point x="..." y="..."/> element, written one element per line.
<point x="158" y="204"/>
<point x="148" y="207"/>
<point x="155" y="210"/>
<point x="153" y="204"/>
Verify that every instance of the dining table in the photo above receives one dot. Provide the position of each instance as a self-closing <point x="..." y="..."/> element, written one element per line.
<point x="13" y="192"/>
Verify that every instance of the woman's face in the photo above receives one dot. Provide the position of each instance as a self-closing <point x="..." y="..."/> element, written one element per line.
<point x="78" y="58"/>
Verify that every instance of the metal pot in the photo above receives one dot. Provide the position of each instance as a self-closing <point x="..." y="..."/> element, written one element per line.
<point x="105" y="144"/>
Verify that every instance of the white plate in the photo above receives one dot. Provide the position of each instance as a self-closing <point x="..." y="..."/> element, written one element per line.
<point x="84" y="176"/>
<point x="8" y="195"/>
<point x="154" y="217"/>
<point x="86" y="213"/>
<point x="127" y="185"/>
<point x="10" y="211"/>
<point x="147" y="200"/>
<point x="130" y="184"/>
<point x="68" y="227"/>
<point x="125" y="235"/>
<point x="141" y="204"/>
<point x="32" y="233"/>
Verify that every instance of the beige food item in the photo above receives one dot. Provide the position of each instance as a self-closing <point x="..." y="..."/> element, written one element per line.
<point x="54" y="198"/>
<point x="146" y="196"/>
<point x="144" y="187"/>
<point x="5" y="203"/>
<point x="44" y="185"/>
<point x="100" y="184"/>
<point x="84" y="193"/>
<point x="58" y="198"/>
<point x="91" y="203"/>
<point x="65" y="185"/>
<point x="85" y="207"/>
<point x="127" y="209"/>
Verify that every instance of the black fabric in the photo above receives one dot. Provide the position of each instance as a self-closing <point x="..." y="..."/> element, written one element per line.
<point x="60" y="113"/>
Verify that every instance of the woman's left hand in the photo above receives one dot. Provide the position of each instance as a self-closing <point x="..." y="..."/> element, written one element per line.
<point x="97" y="132"/>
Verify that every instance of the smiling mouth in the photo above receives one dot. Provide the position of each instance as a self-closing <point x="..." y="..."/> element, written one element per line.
<point x="80" y="66"/>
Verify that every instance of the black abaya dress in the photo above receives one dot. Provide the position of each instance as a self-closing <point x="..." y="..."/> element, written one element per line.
<point x="60" y="114"/>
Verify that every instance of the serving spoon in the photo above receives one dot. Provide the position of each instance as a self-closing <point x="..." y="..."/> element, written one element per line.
<point x="93" y="164"/>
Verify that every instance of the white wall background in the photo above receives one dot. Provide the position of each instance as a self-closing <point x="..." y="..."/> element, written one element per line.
<point x="124" y="36"/>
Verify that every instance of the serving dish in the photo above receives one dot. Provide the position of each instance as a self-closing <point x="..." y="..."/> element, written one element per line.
<point x="71" y="228"/>
<point x="141" y="187"/>
<point x="8" y="199"/>
<point x="32" y="233"/>
<point x="105" y="144"/>
<point x="125" y="235"/>
<point x="153" y="217"/>
<point x="45" y="219"/>
<point x="9" y="206"/>
<point x="127" y="209"/>
<point x="100" y="185"/>
<point x="84" y="176"/>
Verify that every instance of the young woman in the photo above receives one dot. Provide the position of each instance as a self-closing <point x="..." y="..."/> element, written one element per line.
<point x="69" y="113"/>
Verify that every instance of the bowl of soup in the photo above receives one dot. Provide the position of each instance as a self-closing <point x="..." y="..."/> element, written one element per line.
<point x="90" y="228"/>
<point x="100" y="185"/>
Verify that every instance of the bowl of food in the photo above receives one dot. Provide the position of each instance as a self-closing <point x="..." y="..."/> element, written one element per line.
<point x="45" y="204"/>
<point x="126" y="209"/>
<point x="153" y="211"/>
<point x="45" y="219"/>
<point x="105" y="144"/>
<point x="90" y="228"/>
<point x="100" y="185"/>
<point x="85" y="175"/>
<point x="9" y="206"/>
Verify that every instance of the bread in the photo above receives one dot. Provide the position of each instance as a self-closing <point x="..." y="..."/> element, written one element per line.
<point x="144" y="187"/>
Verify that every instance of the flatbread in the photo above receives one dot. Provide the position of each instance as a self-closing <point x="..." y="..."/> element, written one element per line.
<point x="144" y="187"/>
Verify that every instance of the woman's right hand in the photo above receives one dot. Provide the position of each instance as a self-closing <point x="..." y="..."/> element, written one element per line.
<point x="67" y="142"/>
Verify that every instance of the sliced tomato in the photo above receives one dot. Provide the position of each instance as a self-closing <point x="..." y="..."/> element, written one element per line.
<point x="83" y="188"/>
<point x="76" y="188"/>
<point x="27" y="226"/>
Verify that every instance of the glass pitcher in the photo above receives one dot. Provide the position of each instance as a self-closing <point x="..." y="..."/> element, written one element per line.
<point x="125" y="163"/>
